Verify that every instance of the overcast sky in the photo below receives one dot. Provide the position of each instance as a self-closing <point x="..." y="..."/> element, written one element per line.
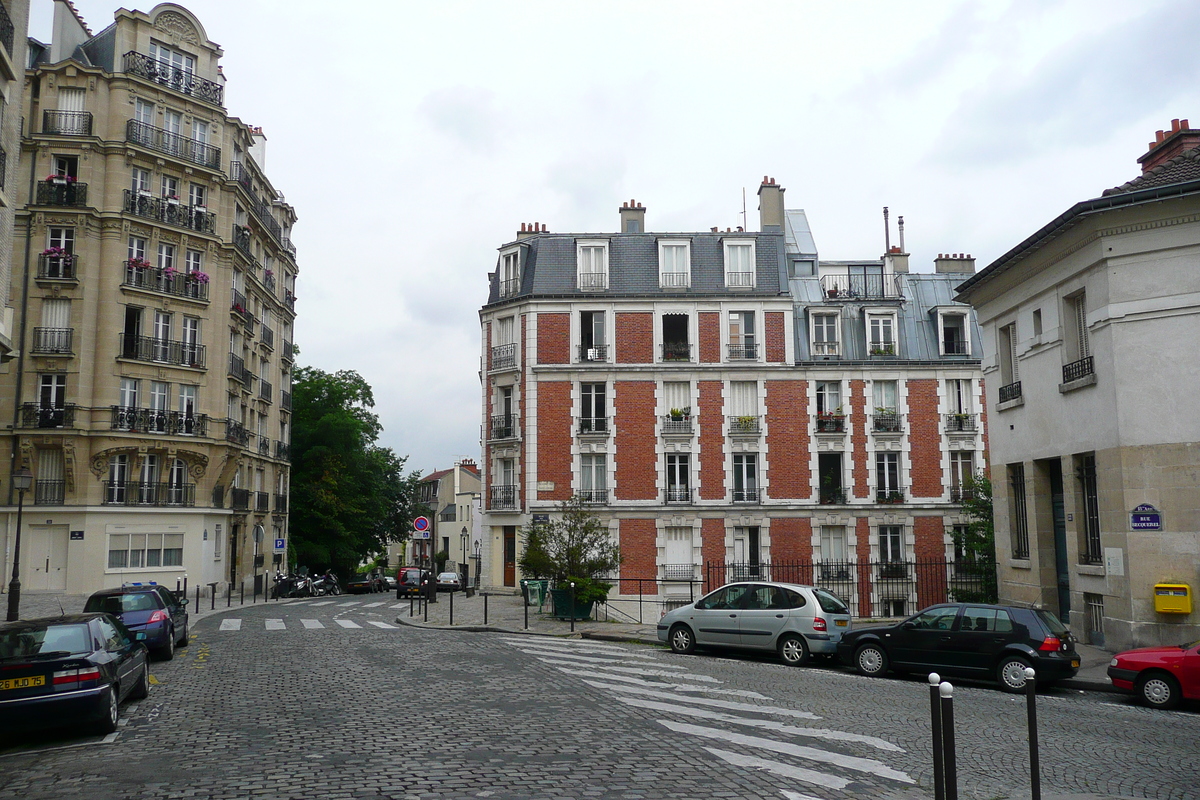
<point x="414" y="138"/>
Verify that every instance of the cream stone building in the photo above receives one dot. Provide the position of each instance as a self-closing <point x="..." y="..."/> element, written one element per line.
<point x="155" y="284"/>
<point x="14" y="20"/>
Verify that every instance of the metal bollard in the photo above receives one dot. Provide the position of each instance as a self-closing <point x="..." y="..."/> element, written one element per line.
<point x="935" y="716"/>
<point x="228" y="595"/>
<point x="948" y="758"/>
<point x="427" y="601"/>
<point x="572" y="612"/>
<point x="485" y="597"/>
<point x="197" y="606"/>
<point x="410" y="606"/>
<point x="242" y="601"/>
<point x="1035" y="769"/>
<point x="525" y="594"/>
<point x="452" y="607"/>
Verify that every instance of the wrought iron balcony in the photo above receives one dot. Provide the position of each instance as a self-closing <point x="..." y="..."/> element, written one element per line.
<point x="681" y="424"/>
<point x="239" y="499"/>
<point x="1078" y="369"/>
<point x="889" y="496"/>
<point x="170" y="212"/>
<point x="594" y="353"/>
<point x="140" y="275"/>
<point x="264" y="446"/>
<point x="883" y="349"/>
<point x="744" y="351"/>
<point x="961" y="422"/>
<point x="241" y="240"/>
<point x="237" y="303"/>
<point x="138" y="493"/>
<point x="678" y="572"/>
<point x="162" y="351"/>
<point x="68" y="193"/>
<point x="287" y="350"/>
<point x="504" y="426"/>
<point x="594" y="496"/>
<point x="67" y="123"/>
<point x="955" y="347"/>
<point x="830" y="423"/>
<point x="289" y="300"/>
<point x="509" y="287"/>
<point x="674" y="280"/>
<point x="961" y="494"/>
<point x="504" y="356"/>
<point x="847" y="286"/>
<point x="830" y="496"/>
<point x="288" y="247"/>
<point x="267" y="336"/>
<point x="167" y="74"/>
<point x="887" y="422"/>
<point x="739" y="280"/>
<point x="283" y="451"/>
<point x="148" y="420"/>
<point x="676" y="351"/>
<point x="676" y="494"/>
<point x="34" y="415"/>
<point x="744" y="424"/>
<point x="238" y="371"/>
<point x="503" y="497"/>
<point x="173" y="144"/>
<point x="49" y="493"/>
<point x="285" y="401"/>
<point x="1010" y="392"/>
<point x="241" y="173"/>
<point x="262" y="502"/>
<point x="263" y="212"/>
<point x="826" y="349"/>
<point x="7" y="30"/>
<point x="53" y="340"/>
<point x="593" y="281"/>
<point x="265" y="390"/>
<point x="236" y="432"/>
<point x="593" y="425"/>
<point x="56" y="267"/>
<point x="747" y="495"/>
<point x="281" y="503"/>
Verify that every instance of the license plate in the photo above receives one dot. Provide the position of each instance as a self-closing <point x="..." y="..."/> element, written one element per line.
<point x="1075" y="664"/>
<point x="22" y="683"/>
<point x="841" y="623"/>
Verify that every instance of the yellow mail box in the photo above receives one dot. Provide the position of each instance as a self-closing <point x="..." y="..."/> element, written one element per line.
<point x="1172" y="598"/>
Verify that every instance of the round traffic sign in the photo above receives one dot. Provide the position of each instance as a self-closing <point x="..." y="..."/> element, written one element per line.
<point x="421" y="524"/>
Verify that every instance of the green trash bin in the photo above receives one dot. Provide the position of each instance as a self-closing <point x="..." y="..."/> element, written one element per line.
<point x="535" y="593"/>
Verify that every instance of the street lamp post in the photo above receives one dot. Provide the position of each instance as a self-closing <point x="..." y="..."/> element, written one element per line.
<point x="22" y="479"/>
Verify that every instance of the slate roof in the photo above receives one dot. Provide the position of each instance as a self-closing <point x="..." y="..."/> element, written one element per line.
<point x="1183" y="167"/>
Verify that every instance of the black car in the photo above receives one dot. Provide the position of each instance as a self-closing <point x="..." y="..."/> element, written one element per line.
<point x="410" y="581"/>
<point x="969" y="641"/>
<point x="150" y="609"/>
<point x="364" y="582"/>
<point x="69" y="670"/>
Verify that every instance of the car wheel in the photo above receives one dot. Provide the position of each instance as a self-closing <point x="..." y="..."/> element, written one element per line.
<point x="682" y="640"/>
<point x="108" y="703"/>
<point x="141" y="690"/>
<point x="793" y="650"/>
<point x="1158" y="690"/>
<point x="183" y="640"/>
<point x="167" y="651"/>
<point x="871" y="660"/>
<point x="1010" y="673"/>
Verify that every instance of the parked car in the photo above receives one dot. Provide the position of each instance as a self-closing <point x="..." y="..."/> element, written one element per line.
<point x="793" y="620"/>
<point x="152" y="610"/>
<point x="389" y="582"/>
<point x="69" y="670"/>
<point x="449" y="582"/>
<point x="1160" y="676"/>
<point x="363" y="582"/>
<point x="968" y="640"/>
<point x="409" y="581"/>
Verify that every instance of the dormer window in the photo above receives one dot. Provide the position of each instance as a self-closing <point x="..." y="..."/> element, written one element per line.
<point x="510" y="273"/>
<point x="881" y="334"/>
<point x="593" y="265"/>
<point x="952" y="333"/>
<point x="825" y="342"/>
<point x="674" y="264"/>
<point x="739" y="263"/>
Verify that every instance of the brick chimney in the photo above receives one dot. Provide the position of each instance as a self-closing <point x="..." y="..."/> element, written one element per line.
<point x="770" y="205"/>
<point x="633" y="217"/>
<point x="1168" y="144"/>
<point x="957" y="263"/>
<point x="530" y="229"/>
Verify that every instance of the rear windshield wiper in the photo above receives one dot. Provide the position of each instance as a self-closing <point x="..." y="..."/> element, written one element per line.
<point x="39" y="656"/>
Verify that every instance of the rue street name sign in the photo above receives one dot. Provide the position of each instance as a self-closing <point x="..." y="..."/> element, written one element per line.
<point x="1145" y="518"/>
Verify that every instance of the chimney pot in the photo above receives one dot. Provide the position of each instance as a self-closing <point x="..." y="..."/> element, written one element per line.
<point x="1158" y="136"/>
<point x="1174" y="125"/>
<point x="543" y="227"/>
<point x="1183" y="125"/>
<point x="765" y="181"/>
<point x="714" y="230"/>
<point x="522" y="227"/>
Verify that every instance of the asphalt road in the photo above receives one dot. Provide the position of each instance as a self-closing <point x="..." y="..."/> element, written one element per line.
<point x="321" y="699"/>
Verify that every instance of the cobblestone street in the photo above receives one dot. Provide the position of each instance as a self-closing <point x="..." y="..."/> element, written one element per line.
<point x="339" y="698"/>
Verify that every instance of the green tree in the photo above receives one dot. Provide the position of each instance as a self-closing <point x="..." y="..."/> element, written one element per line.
<point x="975" y="543"/>
<point x="575" y="548"/>
<point x="350" y="497"/>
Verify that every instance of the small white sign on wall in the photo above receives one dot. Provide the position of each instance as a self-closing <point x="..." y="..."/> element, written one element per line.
<point x="1114" y="561"/>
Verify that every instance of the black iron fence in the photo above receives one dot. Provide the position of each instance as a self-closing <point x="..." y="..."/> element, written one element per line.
<point x="177" y="78"/>
<point x="1010" y="392"/>
<point x="67" y="123"/>
<point x="173" y="144"/>
<point x="1078" y="369"/>
<point x="139" y="493"/>
<point x="151" y="420"/>
<point x="62" y="192"/>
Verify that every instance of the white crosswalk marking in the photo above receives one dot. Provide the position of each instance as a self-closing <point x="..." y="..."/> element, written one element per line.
<point x="373" y="605"/>
<point x="679" y="687"/>
<point x="602" y="655"/>
<point x="779" y="768"/>
<point x="399" y="605"/>
<point x="345" y="623"/>
<point x="275" y="625"/>
<point x="656" y="673"/>
<point x="231" y="624"/>
<point x="324" y="603"/>
<point x="311" y="623"/>
<point x="381" y="624"/>
<point x="583" y="659"/>
<point x="728" y="705"/>
<point x="347" y="605"/>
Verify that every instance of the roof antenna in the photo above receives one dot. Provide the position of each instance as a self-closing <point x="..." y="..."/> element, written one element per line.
<point x="745" y="222"/>
<point x="887" y="232"/>
<point x="60" y="605"/>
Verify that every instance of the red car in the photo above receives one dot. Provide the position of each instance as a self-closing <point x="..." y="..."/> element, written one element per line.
<point x="1161" y="676"/>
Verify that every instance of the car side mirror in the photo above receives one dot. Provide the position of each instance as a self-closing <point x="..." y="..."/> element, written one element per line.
<point x="909" y="625"/>
<point x="183" y="601"/>
<point x="140" y="636"/>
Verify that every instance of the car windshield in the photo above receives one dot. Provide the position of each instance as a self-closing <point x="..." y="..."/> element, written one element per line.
<point x="1052" y="622"/>
<point x="447" y="576"/>
<point x="411" y="576"/>
<point x="830" y="603"/>
<point x="44" y="640"/>
<point x="121" y="603"/>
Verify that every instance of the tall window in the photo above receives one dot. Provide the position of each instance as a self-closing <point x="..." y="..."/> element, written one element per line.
<point x="745" y="477"/>
<point x="593" y="479"/>
<point x="1092" y="553"/>
<point x="891" y="543"/>
<point x="160" y="403"/>
<point x="166" y="256"/>
<point x="199" y="132"/>
<point x="177" y="482"/>
<point x="148" y="482"/>
<point x="172" y="124"/>
<point x="187" y="408"/>
<point x="962" y="468"/>
<point x="118" y="476"/>
<point x="833" y="543"/>
<point x="747" y="551"/>
<point x="191" y="340"/>
<point x="678" y="483"/>
<point x="953" y="340"/>
<point x="743" y="344"/>
<point x="825" y="335"/>
<point x="884" y="396"/>
<point x="143" y="112"/>
<point x="52" y="391"/>
<point x="162" y="336"/>
<point x="739" y="264"/>
<point x="1006" y="348"/>
<point x="62" y="238"/>
<point x="958" y="396"/>
<point x="169" y="58"/>
<point x="678" y="558"/>
<point x="593" y="416"/>
<point x="1077" y="348"/>
<point x="674" y="264"/>
<point x="1016" y="511"/>
<point x="140" y="181"/>
<point x="829" y="398"/>
<point x="592" y="339"/>
<point x="129" y="392"/>
<point x="137" y="248"/>
<point x="197" y="195"/>
<point x="510" y="278"/>
<point x="593" y="265"/>
<point x="887" y="478"/>
<point x="170" y="186"/>
<point x="881" y="334"/>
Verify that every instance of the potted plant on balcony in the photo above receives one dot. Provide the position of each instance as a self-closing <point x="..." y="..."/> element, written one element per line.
<point x="678" y="414"/>
<point x="891" y="497"/>
<point x="746" y="423"/>
<point x="173" y="199"/>
<point x="197" y="276"/>
<point x="883" y="349"/>
<point x="60" y="180"/>
<point x="830" y="421"/>
<point x="576" y="548"/>
<point x="138" y="263"/>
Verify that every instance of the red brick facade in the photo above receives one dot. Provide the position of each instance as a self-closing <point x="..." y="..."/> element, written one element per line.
<point x="553" y="338"/>
<point x="487" y="344"/>
<point x="774" y="328"/>
<point x="986" y="466"/>
<point x="712" y="546"/>
<point x="709" y="325"/>
<point x="522" y="408"/>
<point x="858" y="438"/>
<point x="791" y="539"/>
<point x="635" y="338"/>
<point x="930" y="533"/>
<point x="636" y="461"/>
<point x="925" y="439"/>
<point x="712" y="441"/>
<point x="554" y="438"/>
<point x="862" y="550"/>
<point x="787" y="440"/>
<point x="639" y="554"/>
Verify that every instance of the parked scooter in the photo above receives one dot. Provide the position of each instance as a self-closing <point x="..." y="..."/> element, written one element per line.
<point x="326" y="584"/>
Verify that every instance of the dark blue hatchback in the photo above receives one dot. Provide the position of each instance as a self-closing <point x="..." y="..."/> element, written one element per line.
<point x="152" y="610"/>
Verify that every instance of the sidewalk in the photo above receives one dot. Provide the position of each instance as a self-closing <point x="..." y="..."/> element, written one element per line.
<point x="47" y="604"/>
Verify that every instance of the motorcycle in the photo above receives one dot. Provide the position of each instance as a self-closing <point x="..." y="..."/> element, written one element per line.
<point x="284" y="586"/>
<point x="326" y="584"/>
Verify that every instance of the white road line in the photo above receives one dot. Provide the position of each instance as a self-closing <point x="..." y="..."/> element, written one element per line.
<point x="656" y="673"/>
<point x="798" y="796"/>
<point x="728" y="705"/>
<point x="765" y="724"/>
<point x="573" y="644"/>
<point x="373" y="605"/>
<point x="381" y="624"/>
<point x="275" y="625"/>
<point x="347" y="605"/>
<point x="550" y="649"/>
<point x="231" y="624"/>
<point x="345" y="623"/>
<point x="324" y="603"/>
<point x="779" y="768"/>
<point x="679" y="687"/>
<point x="398" y="605"/>
<point x="588" y="659"/>
<point x="867" y="765"/>
<point x="311" y="623"/>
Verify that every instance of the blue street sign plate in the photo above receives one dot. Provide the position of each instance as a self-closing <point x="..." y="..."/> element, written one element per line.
<point x="280" y="545"/>
<point x="1145" y="518"/>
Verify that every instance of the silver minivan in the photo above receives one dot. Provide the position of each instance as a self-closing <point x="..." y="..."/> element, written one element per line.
<point x="793" y="620"/>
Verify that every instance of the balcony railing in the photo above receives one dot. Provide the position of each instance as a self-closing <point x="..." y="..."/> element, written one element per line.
<point x="239" y="499"/>
<point x="289" y="247"/>
<point x="593" y="281"/>
<point x="955" y="347"/>
<point x="503" y="497"/>
<point x="745" y="351"/>
<point x="67" y="193"/>
<point x="52" y="340"/>
<point x="57" y="267"/>
<point x="137" y="493"/>
<point x="281" y="503"/>
<point x="593" y="425"/>
<point x="262" y="502"/>
<point x="504" y="426"/>
<point x="242" y="174"/>
<point x="140" y="275"/>
<point x="149" y="420"/>
<point x="49" y="493"/>
<point x="676" y="351"/>
<point x="740" y="280"/>
<point x="961" y="494"/>
<point x="264" y="446"/>
<point x="267" y="336"/>
<point x="679" y="572"/>
<point x="289" y="300"/>
<point x="169" y="75"/>
<point x="1010" y="392"/>
<point x="241" y="240"/>
<point x="961" y="422"/>
<point x="285" y="401"/>
<point x="504" y="356"/>
<point x="1078" y="369"/>
<point x="593" y="353"/>
<point x="268" y="280"/>
<point x="681" y="424"/>
<point x="846" y="286"/>
<point x="674" y="280"/>
<point x="34" y="415"/>
<point x="747" y="495"/>
<point x="67" y="123"/>
<point x="262" y="211"/>
<point x="236" y="432"/>
<point x="888" y="422"/>
<point x="7" y="30"/>
<point x="889" y="496"/>
<point x="173" y="144"/>
<point x="287" y="350"/>
<point x="283" y="451"/>
<point x="744" y="424"/>
<point x="162" y="351"/>
<point x="238" y="371"/>
<point x="594" y="496"/>
<point x="826" y="349"/>
<point x="831" y="496"/>
<point x="830" y="423"/>
<point x="508" y="287"/>
<point x="679" y="495"/>
<point x="265" y="390"/>
<point x="170" y="212"/>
